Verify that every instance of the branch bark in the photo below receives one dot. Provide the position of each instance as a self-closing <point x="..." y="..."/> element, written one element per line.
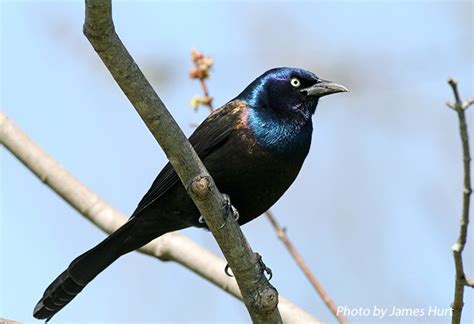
<point x="169" y="247"/>
<point x="260" y="298"/>
<point x="461" y="281"/>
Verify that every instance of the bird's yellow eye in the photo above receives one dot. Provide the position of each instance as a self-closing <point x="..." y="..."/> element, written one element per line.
<point x="295" y="82"/>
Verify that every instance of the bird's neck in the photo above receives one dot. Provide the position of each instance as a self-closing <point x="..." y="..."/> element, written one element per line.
<point x="288" y="135"/>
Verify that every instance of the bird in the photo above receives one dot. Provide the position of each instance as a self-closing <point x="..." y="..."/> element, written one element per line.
<point x="253" y="146"/>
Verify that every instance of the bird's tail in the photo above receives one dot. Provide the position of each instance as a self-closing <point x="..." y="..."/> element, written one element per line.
<point x="81" y="271"/>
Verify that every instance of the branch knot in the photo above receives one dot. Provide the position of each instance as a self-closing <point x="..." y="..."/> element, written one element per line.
<point x="267" y="299"/>
<point x="200" y="186"/>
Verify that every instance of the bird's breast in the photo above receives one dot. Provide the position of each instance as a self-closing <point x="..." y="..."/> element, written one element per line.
<point x="284" y="137"/>
<point x="254" y="175"/>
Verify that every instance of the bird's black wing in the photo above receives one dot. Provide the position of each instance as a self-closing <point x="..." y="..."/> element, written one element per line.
<point x="211" y="134"/>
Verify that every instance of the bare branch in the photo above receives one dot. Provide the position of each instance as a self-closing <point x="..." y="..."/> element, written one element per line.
<point x="454" y="85"/>
<point x="467" y="103"/>
<point x="470" y="282"/>
<point x="458" y="247"/>
<point x="7" y="321"/>
<point x="281" y="232"/>
<point x="169" y="247"/>
<point x="450" y="105"/>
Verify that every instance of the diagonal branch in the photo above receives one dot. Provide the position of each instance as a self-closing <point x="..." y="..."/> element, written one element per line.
<point x="169" y="247"/>
<point x="458" y="247"/>
<point x="261" y="298"/>
<point x="281" y="232"/>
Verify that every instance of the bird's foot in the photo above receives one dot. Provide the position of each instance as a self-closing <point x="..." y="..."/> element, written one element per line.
<point x="264" y="269"/>
<point x="229" y="209"/>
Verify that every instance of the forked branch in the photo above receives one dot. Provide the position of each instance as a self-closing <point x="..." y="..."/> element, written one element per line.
<point x="461" y="281"/>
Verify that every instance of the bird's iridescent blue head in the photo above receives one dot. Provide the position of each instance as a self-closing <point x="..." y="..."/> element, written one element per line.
<point x="288" y="90"/>
<point x="280" y="104"/>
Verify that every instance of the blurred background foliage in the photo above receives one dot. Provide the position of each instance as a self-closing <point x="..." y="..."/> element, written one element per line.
<point x="374" y="211"/>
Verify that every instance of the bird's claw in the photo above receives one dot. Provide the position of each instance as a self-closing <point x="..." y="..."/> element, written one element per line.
<point x="226" y="270"/>
<point x="228" y="208"/>
<point x="264" y="268"/>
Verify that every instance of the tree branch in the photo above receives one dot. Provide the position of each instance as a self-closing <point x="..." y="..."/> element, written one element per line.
<point x="281" y="232"/>
<point x="261" y="298"/>
<point x="8" y="321"/>
<point x="458" y="247"/>
<point x="169" y="247"/>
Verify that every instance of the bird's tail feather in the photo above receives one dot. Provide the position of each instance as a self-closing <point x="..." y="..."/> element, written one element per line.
<point x="80" y="272"/>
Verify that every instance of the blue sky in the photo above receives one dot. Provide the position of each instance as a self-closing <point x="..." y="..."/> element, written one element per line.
<point x="374" y="210"/>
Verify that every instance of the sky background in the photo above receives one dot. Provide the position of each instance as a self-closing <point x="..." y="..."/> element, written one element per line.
<point x="374" y="210"/>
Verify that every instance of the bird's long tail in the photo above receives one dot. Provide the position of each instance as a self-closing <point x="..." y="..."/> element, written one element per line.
<point x="83" y="269"/>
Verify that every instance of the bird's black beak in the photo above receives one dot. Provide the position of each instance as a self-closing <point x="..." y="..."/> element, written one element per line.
<point x="323" y="88"/>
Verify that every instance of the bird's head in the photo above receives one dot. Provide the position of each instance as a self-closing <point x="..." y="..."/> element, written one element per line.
<point x="287" y="90"/>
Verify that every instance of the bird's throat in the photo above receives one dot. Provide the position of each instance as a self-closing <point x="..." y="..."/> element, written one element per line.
<point x="288" y="135"/>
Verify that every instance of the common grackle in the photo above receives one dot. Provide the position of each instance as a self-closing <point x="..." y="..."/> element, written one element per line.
<point x="253" y="147"/>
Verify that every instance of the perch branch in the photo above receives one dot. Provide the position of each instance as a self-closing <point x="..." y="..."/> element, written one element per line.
<point x="460" y="107"/>
<point x="169" y="247"/>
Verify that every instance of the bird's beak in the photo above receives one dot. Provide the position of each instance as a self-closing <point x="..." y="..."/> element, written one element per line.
<point x="323" y="88"/>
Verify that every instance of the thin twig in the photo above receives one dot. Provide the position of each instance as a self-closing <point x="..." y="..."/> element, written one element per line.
<point x="206" y="93"/>
<point x="467" y="103"/>
<point x="201" y="71"/>
<point x="169" y="247"/>
<point x="469" y="282"/>
<point x="281" y="232"/>
<point x="458" y="247"/>
<point x="202" y="74"/>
